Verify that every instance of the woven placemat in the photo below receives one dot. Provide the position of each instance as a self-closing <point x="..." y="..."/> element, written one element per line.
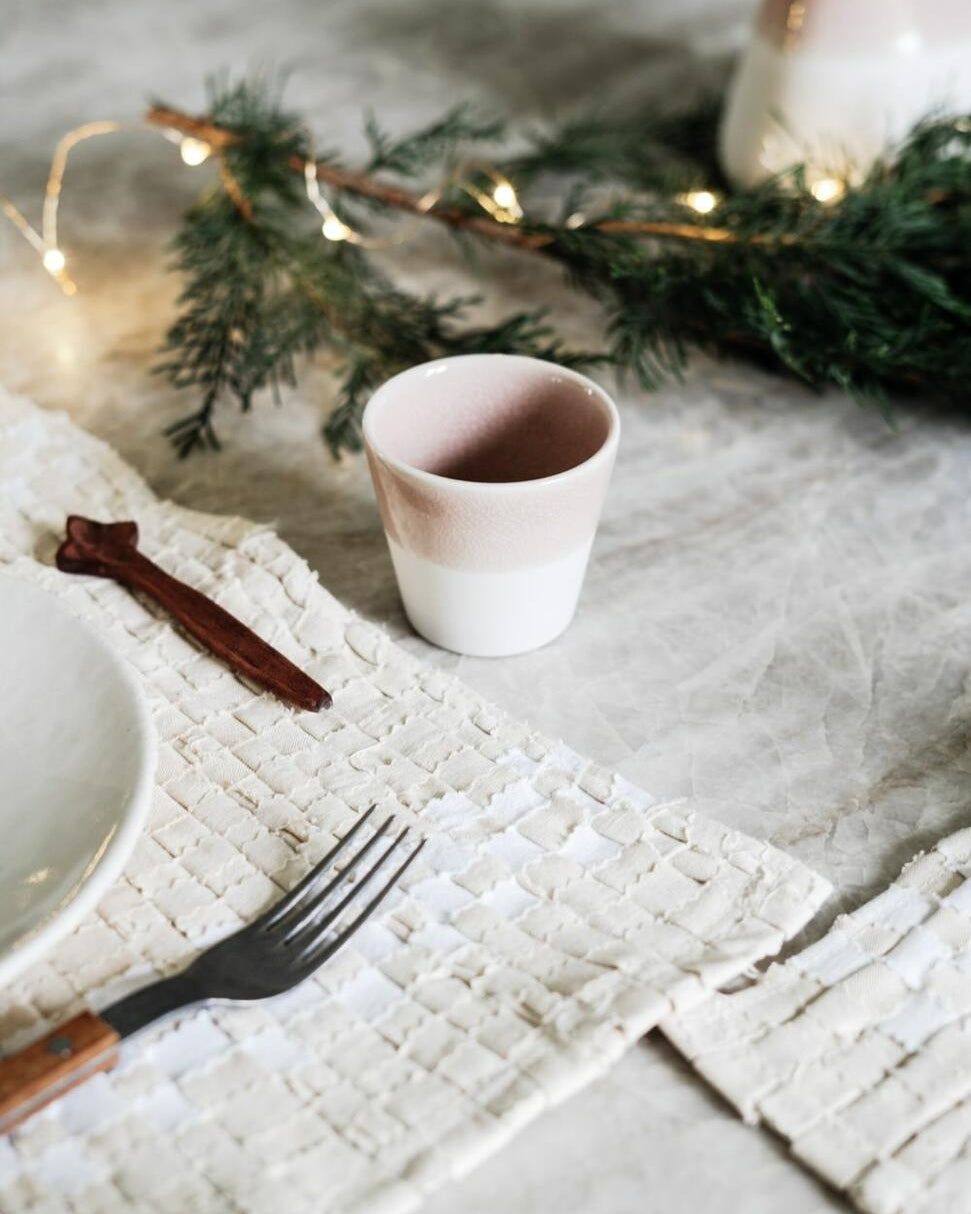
<point x="556" y="913"/>
<point x="858" y="1050"/>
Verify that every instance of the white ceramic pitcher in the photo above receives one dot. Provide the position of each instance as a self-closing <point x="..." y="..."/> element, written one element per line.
<point x="834" y="83"/>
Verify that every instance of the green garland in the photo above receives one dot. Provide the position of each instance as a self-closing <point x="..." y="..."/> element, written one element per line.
<point x="871" y="293"/>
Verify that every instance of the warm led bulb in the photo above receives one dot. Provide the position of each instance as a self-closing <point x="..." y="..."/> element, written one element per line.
<point x="194" y="151"/>
<point x="504" y="196"/>
<point x="334" y="228"/>
<point x="702" y="201"/>
<point x="54" y="261"/>
<point x="827" y="189"/>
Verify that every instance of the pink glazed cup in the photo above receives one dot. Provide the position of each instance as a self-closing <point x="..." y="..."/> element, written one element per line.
<point x="490" y="472"/>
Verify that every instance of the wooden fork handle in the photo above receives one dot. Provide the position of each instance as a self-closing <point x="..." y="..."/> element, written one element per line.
<point x="44" y="1071"/>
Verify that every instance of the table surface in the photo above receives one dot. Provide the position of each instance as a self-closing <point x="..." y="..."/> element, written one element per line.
<point x="776" y="617"/>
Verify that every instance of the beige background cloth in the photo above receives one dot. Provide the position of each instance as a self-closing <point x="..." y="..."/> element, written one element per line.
<point x="775" y="620"/>
<point x="556" y="914"/>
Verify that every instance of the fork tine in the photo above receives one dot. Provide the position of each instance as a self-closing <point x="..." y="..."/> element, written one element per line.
<point x="318" y="950"/>
<point x="306" y="919"/>
<point x="307" y="886"/>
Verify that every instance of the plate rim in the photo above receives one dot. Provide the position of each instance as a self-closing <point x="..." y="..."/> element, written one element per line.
<point x="132" y="816"/>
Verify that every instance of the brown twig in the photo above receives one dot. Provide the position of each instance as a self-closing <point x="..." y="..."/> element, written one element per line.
<point x="395" y="196"/>
<point x="233" y="189"/>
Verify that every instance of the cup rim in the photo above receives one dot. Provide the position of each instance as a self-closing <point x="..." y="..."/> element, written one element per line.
<point x="604" y="452"/>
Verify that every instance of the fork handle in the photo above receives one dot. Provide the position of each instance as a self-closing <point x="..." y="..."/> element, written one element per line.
<point x="44" y="1071"/>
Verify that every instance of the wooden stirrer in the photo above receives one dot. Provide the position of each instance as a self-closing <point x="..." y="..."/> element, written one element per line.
<point x="110" y="550"/>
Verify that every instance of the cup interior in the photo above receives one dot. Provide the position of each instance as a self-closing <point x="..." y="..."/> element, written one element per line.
<point x="489" y="418"/>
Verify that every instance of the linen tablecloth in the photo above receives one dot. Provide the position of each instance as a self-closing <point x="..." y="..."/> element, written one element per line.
<point x="555" y="914"/>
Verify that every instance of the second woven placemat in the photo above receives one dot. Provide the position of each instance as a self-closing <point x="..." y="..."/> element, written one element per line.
<point x="858" y="1050"/>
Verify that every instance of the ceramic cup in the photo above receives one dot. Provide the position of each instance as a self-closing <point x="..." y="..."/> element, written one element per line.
<point x="490" y="471"/>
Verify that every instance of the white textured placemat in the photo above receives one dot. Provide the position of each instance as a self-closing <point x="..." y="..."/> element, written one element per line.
<point x="555" y="915"/>
<point x="858" y="1050"/>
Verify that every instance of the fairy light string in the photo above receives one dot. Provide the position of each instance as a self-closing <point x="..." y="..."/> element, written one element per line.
<point x="501" y="203"/>
<point x="46" y="242"/>
<point x="199" y="141"/>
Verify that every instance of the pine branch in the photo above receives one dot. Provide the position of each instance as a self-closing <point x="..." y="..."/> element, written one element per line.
<point x="424" y="148"/>
<point x="872" y="294"/>
<point x="387" y="194"/>
<point x="262" y="288"/>
<point x="670" y="152"/>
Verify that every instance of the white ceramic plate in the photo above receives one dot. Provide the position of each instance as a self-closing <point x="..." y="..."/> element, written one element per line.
<point x="77" y="756"/>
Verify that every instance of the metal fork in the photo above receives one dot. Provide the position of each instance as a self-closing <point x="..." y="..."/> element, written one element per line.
<point x="277" y="951"/>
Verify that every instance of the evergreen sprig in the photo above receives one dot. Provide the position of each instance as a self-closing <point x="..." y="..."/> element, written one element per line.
<point x="872" y="293"/>
<point x="262" y="287"/>
<point x="415" y="153"/>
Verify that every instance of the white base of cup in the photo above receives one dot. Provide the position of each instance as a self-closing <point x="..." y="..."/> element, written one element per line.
<point x="489" y="615"/>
